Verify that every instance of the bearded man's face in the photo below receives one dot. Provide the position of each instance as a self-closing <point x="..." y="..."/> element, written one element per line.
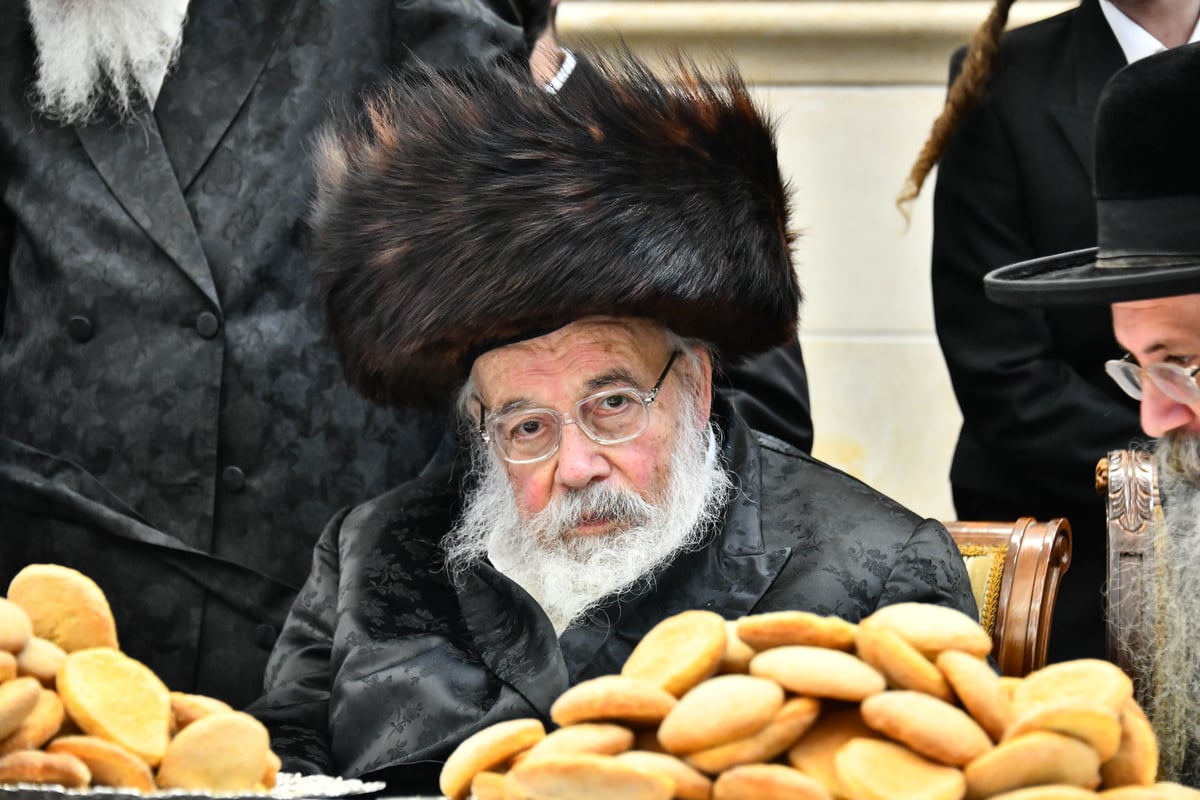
<point x="93" y="54"/>
<point x="589" y="519"/>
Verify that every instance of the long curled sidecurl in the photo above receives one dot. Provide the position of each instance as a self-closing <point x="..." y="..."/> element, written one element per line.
<point x="966" y="90"/>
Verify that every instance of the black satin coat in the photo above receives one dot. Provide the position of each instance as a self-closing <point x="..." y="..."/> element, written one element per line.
<point x="171" y="421"/>
<point x="1014" y="183"/>
<point x="384" y="666"/>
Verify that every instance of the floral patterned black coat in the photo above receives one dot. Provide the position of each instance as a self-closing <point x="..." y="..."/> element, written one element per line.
<point x="171" y="420"/>
<point x="384" y="667"/>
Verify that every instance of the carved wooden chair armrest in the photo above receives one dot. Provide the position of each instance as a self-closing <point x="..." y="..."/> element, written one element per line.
<point x="1015" y="569"/>
<point x="1128" y="479"/>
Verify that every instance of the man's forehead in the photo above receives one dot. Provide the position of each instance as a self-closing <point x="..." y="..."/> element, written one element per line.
<point x="578" y="352"/>
<point x="1145" y="327"/>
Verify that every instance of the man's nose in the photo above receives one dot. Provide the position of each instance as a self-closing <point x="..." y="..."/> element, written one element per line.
<point x="1161" y="414"/>
<point x="580" y="460"/>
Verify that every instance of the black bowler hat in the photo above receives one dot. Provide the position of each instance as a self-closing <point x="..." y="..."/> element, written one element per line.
<point x="1147" y="196"/>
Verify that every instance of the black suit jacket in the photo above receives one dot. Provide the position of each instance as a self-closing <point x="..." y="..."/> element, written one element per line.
<point x="1015" y="183"/>
<point x="172" y="422"/>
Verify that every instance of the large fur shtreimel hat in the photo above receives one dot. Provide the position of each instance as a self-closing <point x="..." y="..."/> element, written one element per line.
<point x="470" y="210"/>
<point x="1147" y="185"/>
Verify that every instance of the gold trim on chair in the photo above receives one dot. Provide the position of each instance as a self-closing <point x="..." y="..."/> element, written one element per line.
<point x="988" y="599"/>
<point x="1035" y="556"/>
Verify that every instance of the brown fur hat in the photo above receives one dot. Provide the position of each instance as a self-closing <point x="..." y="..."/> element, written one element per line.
<point x="466" y="211"/>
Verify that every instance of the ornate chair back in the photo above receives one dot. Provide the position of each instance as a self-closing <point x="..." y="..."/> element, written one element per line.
<point x="1128" y="479"/>
<point x="1015" y="569"/>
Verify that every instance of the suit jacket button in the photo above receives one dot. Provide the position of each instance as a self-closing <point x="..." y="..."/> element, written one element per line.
<point x="80" y="329"/>
<point x="233" y="479"/>
<point x="265" y="636"/>
<point x="206" y="324"/>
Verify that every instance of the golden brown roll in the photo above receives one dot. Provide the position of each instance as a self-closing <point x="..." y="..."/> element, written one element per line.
<point x="227" y="751"/>
<point x="41" y="659"/>
<point x="39" y="727"/>
<point x="187" y="708"/>
<point x="15" y="627"/>
<point x="486" y="750"/>
<point x="109" y="764"/>
<point x="116" y="698"/>
<point x="613" y="698"/>
<point x="65" y="606"/>
<point x="17" y="700"/>
<point x="679" y="652"/>
<point x="36" y="766"/>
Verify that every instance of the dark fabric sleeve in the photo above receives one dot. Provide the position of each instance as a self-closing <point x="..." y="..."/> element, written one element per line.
<point x="1021" y="401"/>
<point x="447" y="33"/>
<point x="930" y="569"/>
<point x="770" y="392"/>
<point x="295" y="703"/>
<point x="7" y="234"/>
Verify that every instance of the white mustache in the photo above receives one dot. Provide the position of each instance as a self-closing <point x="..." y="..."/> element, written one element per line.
<point x="593" y="503"/>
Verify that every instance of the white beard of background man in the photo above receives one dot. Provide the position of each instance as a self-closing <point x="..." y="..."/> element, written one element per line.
<point x="98" y="53"/>
<point x="1171" y="586"/>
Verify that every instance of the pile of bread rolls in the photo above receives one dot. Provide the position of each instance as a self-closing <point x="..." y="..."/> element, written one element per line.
<point x="76" y="712"/>
<point x="902" y="706"/>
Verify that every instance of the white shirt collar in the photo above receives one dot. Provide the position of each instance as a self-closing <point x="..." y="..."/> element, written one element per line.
<point x="1135" y="42"/>
<point x="564" y="72"/>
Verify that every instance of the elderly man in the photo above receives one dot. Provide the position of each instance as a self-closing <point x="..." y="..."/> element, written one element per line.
<point x="571" y="272"/>
<point x="171" y="420"/>
<point x="1148" y="267"/>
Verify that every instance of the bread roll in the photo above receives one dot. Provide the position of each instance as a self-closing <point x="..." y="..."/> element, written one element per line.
<point x="65" y="606"/>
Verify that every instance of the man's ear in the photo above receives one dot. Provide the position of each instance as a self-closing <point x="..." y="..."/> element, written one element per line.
<point x="703" y="385"/>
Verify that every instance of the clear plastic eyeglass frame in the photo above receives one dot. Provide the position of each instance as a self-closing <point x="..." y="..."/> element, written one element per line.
<point x="1176" y="382"/>
<point x="492" y="427"/>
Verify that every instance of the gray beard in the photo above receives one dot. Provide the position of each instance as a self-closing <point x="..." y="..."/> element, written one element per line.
<point x="1171" y="662"/>
<point x="98" y="53"/>
<point x="568" y="577"/>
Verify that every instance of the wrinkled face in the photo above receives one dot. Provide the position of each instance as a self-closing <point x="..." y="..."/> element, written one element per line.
<point x="557" y="370"/>
<point x="1163" y="329"/>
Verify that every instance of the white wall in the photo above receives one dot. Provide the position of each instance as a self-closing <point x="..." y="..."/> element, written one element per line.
<point x="856" y="84"/>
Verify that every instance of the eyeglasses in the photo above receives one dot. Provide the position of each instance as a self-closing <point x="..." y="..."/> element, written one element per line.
<point x="1176" y="382"/>
<point x="612" y="416"/>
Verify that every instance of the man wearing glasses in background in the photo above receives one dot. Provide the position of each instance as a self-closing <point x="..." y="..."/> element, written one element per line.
<point x="624" y="239"/>
<point x="1147" y="266"/>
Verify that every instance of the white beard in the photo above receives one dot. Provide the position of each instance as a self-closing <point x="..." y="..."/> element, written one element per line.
<point x="93" y="53"/>
<point x="570" y="576"/>
<point x="1171" y="660"/>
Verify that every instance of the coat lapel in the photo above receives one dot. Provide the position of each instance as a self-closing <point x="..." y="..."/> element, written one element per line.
<point x="1097" y="56"/>
<point x="226" y="47"/>
<point x="133" y="163"/>
<point x="513" y="636"/>
<point x="729" y="576"/>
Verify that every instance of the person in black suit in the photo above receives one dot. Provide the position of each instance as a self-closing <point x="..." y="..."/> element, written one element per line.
<point x="1015" y="182"/>
<point x="171" y="422"/>
<point x="1147" y="269"/>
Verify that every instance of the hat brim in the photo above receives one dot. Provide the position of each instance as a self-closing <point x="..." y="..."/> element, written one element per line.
<point x="1077" y="278"/>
